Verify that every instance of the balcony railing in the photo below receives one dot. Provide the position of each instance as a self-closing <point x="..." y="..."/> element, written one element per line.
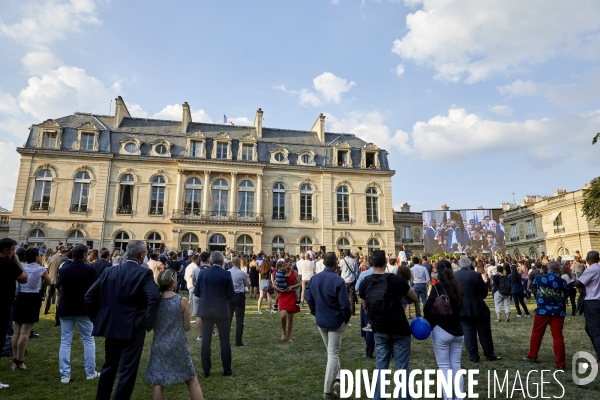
<point x="204" y="215"/>
<point x="278" y="216"/>
<point x="4" y="221"/>
<point x="407" y="240"/>
<point x="39" y="207"/>
<point x="559" y="230"/>
<point x="155" y="211"/>
<point x="514" y="239"/>
<point x="530" y="236"/>
<point x="343" y="218"/>
<point x="372" y="220"/>
<point x="124" y="210"/>
<point x="76" y="208"/>
<point x="306" y="217"/>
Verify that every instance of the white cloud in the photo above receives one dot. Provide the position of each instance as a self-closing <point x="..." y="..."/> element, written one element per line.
<point x="501" y="110"/>
<point x="45" y="22"/>
<point x="10" y="176"/>
<point x="368" y="126"/>
<point x="136" y="111"/>
<point x="240" y="121"/>
<point x="40" y="62"/>
<point x="497" y="36"/>
<point x="462" y="135"/>
<point x="64" y="91"/>
<point x="327" y="88"/>
<point x="562" y="94"/>
<point x="175" y="112"/>
<point x="399" y="69"/>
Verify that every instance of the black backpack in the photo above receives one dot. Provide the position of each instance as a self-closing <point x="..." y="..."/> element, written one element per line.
<point x="504" y="285"/>
<point x="383" y="311"/>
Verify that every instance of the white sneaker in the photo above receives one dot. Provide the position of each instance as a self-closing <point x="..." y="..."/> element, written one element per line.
<point x="260" y="312"/>
<point x="65" y="380"/>
<point x="199" y="338"/>
<point x="193" y="321"/>
<point x="273" y="311"/>
<point x="96" y="375"/>
<point x="3" y="385"/>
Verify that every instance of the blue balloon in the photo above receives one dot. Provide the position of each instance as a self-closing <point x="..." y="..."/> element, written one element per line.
<point x="420" y="328"/>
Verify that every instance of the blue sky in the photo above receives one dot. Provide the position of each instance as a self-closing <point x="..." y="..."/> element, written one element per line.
<point x="473" y="100"/>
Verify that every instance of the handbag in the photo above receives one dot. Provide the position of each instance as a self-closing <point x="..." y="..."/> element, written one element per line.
<point x="270" y="289"/>
<point x="441" y="304"/>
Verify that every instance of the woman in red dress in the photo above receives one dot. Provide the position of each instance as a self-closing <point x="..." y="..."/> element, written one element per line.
<point x="286" y="298"/>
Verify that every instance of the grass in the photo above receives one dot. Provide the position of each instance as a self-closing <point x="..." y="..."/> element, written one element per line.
<point x="269" y="369"/>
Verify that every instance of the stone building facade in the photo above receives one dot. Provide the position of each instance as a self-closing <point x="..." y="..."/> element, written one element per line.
<point x="554" y="225"/>
<point x="108" y="179"/>
<point x="408" y="231"/>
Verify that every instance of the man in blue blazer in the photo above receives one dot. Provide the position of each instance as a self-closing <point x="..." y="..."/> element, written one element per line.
<point x="214" y="287"/>
<point x="123" y="304"/>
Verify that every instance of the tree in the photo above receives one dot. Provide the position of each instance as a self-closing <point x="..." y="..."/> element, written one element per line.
<point x="591" y="203"/>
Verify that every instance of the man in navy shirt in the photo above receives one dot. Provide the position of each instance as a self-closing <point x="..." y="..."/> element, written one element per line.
<point x="327" y="298"/>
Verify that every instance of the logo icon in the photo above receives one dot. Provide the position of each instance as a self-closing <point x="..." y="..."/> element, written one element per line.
<point x="580" y="367"/>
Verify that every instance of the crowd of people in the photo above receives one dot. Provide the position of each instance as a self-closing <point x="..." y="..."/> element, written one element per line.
<point x="121" y="296"/>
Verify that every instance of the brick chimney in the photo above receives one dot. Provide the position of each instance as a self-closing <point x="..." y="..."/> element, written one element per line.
<point x="405" y="207"/>
<point x="444" y="207"/>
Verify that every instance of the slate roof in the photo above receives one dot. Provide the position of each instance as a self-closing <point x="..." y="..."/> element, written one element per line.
<point x="148" y="130"/>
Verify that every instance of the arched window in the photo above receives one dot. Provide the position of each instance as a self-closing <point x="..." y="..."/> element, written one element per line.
<point x="372" y="205"/>
<point x="373" y="244"/>
<point x="126" y="194"/>
<point x="157" y="196"/>
<point x="192" y="196"/>
<point x="533" y="255"/>
<point x="563" y="251"/>
<point x="517" y="254"/>
<point x="306" y="200"/>
<point x="306" y="158"/>
<point x="154" y="241"/>
<point x="278" y="201"/>
<point x="245" y="199"/>
<point x="305" y="243"/>
<point x="343" y="206"/>
<point x="41" y="193"/>
<point x="121" y="240"/>
<point x="36" y="238"/>
<point x="244" y="244"/>
<point x="278" y="245"/>
<point x="81" y="192"/>
<point x="75" y="237"/>
<point x="343" y="244"/>
<point x="217" y="242"/>
<point x="220" y="194"/>
<point x="189" y="240"/>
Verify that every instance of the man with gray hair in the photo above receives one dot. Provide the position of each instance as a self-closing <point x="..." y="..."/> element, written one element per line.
<point x="551" y="293"/>
<point x="123" y="304"/>
<point x="214" y="287"/>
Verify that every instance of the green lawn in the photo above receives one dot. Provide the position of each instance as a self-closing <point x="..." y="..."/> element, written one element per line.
<point x="269" y="369"/>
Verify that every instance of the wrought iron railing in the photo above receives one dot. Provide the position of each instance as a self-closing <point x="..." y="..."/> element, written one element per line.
<point x="210" y="215"/>
<point x="156" y="211"/>
<point x="559" y="230"/>
<point x="306" y="217"/>
<point x="279" y="216"/>
<point x="124" y="210"/>
<point x="372" y="220"/>
<point x="78" y="208"/>
<point x="39" y="207"/>
<point x="514" y="239"/>
<point x="530" y="236"/>
<point x="407" y="240"/>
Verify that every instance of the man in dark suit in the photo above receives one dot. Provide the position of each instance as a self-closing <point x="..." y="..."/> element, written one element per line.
<point x="214" y="287"/>
<point x="475" y="314"/>
<point x="123" y="304"/>
<point x="429" y="234"/>
<point x="103" y="262"/>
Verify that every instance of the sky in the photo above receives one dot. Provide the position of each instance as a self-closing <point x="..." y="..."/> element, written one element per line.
<point x="477" y="103"/>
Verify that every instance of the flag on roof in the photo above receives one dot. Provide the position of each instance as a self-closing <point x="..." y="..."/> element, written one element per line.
<point x="224" y="118"/>
<point x="231" y="122"/>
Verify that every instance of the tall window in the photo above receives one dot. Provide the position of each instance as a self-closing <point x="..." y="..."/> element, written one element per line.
<point x="247" y="152"/>
<point x="278" y="245"/>
<point x="217" y="242"/>
<point x="245" y="198"/>
<point x="278" y="201"/>
<point x="343" y="158"/>
<point x="221" y="150"/>
<point x="121" y="240"/>
<point x="373" y="244"/>
<point x="157" y="195"/>
<point x="306" y="198"/>
<point x="87" y="142"/>
<point x="244" y="244"/>
<point x="530" y="229"/>
<point x="81" y="192"/>
<point x="372" y="205"/>
<point x="406" y="232"/>
<point x="220" y="194"/>
<point x="41" y="193"/>
<point x="49" y="141"/>
<point x="188" y="241"/>
<point x="513" y="229"/>
<point x="154" y="241"/>
<point x="305" y="243"/>
<point x="343" y="244"/>
<point x="343" y="208"/>
<point x="195" y="148"/>
<point x="36" y="238"/>
<point x="75" y="237"/>
<point x="558" y="224"/>
<point x="192" y="196"/>
<point x="126" y="194"/>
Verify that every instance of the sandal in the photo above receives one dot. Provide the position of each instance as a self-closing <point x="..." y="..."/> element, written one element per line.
<point x="283" y="338"/>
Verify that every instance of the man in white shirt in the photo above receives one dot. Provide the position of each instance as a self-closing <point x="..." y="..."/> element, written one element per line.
<point x="238" y="303"/>
<point x="306" y="270"/>
<point x="190" y="281"/>
<point x="349" y="274"/>
<point x="420" y="280"/>
<point x="320" y="266"/>
<point x="402" y="255"/>
<point x="310" y="253"/>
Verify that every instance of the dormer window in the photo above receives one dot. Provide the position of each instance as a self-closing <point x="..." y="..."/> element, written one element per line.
<point x="247" y="152"/>
<point x="196" y="145"/>
<point x="370" y="156"/>
<point x="131" y="147"/>
<point x="370" y="160"/>
<point x="221" y="150"/>
<point x="50" y="139"/>
<point x="306" y="159"/>
<point x="87" y="142"/>
<point x="279" y="157"/>
<point x="247" y="148"/>
<point x="161" y="149"/>
<point x="343" y="158"/>
<point x="50" y="135"/>
<point x="87" y="137"/>
<point x="196" y="148"/>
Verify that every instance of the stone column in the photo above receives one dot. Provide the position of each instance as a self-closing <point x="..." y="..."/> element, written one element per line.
<point x="178" y="193"/>
<point x="205" y="190"/>
<point x="233" y="195"/>
<point x="259" y="193"/>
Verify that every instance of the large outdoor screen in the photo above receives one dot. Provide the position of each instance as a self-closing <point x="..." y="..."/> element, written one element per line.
<point x="464" y="231"/>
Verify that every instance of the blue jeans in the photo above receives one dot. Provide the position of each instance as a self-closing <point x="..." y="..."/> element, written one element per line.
<point x="67" y="328"/>
<point x="421" y="292"/>
<point x="385" y="343"/>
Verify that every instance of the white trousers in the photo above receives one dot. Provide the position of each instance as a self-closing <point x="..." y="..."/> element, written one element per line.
<point x="333" y="341"/>
<point x="499" y="299"/>
<point x="448" y="349"/>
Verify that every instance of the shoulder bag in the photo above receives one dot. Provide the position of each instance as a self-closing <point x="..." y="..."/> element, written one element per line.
<point x="441" y="304"/>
